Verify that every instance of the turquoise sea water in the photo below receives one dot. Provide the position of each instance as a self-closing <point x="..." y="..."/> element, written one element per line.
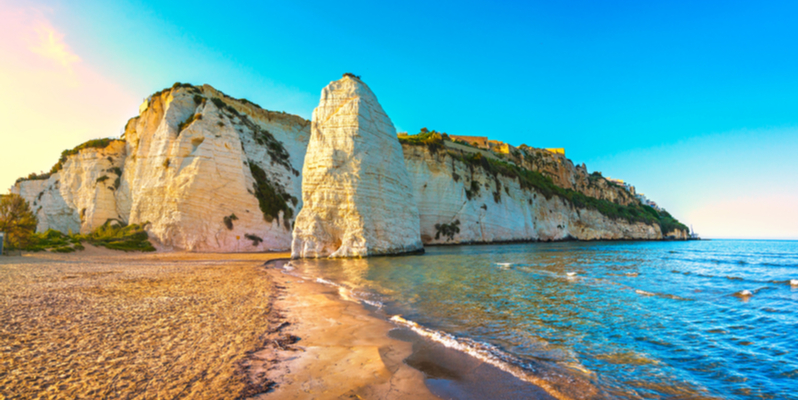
<point x="629" y="319"/>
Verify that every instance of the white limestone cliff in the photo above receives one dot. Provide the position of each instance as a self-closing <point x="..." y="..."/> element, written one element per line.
<point x="357" y="194"/>
<point x="196" y="161"/>
<point x="206" y="172"/>
<point x="80" y="195"/>
<point x="499" y="209"/>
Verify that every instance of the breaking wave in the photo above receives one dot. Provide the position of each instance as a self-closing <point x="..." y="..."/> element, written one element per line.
<point x="559" y="385"/>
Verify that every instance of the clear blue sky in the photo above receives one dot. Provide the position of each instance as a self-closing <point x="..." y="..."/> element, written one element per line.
<point x="695" y="103"/>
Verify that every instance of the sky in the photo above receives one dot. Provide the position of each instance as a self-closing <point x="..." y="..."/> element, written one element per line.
<point x="695" y="104"/>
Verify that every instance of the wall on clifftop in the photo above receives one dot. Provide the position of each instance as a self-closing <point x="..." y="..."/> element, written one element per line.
<point x="356" y="192"/>
<point x="460" y="204"/>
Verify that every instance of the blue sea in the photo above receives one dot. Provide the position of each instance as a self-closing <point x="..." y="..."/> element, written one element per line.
<point x="628" y="320"/>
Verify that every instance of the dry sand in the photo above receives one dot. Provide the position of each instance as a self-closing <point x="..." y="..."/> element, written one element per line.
<point x="103" y="324"/>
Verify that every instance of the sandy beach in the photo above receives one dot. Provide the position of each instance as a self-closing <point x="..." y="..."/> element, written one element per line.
<point x="105" y="324"/>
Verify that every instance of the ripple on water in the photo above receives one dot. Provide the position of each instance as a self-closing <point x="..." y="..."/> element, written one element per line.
<point x="647" y="320"/>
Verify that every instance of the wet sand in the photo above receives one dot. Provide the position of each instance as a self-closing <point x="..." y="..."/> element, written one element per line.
<point x="105" y="324"/>
<point x="349" y="350"/>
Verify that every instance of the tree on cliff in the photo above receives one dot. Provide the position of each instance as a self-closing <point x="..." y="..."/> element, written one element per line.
<point x="17" y="221"/>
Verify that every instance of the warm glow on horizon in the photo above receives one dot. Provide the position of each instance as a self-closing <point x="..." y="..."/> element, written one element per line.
<point x="762" y="217"/>
<point x="52" y="100"/>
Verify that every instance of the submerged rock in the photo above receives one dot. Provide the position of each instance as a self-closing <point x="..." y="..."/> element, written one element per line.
<point x="357" y="194"/>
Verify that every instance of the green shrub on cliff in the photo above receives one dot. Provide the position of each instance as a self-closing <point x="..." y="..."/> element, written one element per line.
<point x="95" y="144"/>
<point x="34" y="177"/>
<point x="668" y="223"/>
<point x="448" y="230"/>
<point x="272" y="199"/>
<point x="432" y="139"/>
<point x="254" y="238"/>
<point x="228" y="221"/>
<point x="183" y="125"/>
<point x="532" y="180"/>
<point x="473" y="190"/>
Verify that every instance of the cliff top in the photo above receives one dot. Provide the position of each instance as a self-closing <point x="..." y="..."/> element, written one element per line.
<point x="240" y="105"/>
<point x="549" y="172"/>
<point x="91" y="144"/>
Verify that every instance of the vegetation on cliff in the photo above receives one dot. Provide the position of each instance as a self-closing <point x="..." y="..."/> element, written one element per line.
<point x="668" y="223"/>
<point x="272" y="199"/>
<point x="432" y="139"/>
<point x="277" y="152"/>
<point x="118" y="236"/>
<point x="534" y="180"/>
<point x="228" y="221"/>
<point x="19" y="224"/>
<point x="92" y="144"/>
<point x="448" y="230"/>
<point x="183" y="125"/>
<point x="177" y="85"/>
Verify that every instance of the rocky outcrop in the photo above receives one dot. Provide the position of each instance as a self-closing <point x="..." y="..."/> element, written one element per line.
<point x="211" y="173"/>
<point x="79" y="195"/>
<point x="357" y="194"/>
<point x="461" y="204"/>
<point x="206" y="172"/>
<point x="569" y="176"/>
<point x="677" y="234"/>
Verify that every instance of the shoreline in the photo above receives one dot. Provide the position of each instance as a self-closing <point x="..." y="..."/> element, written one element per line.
<point x="564" y="240"/>
<point x="214" y="324"/>
<point x="444" y="371"/>
<point x="342" y="351"/>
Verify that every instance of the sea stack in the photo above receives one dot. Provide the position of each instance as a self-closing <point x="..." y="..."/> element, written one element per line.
<point x="357" y="195"/>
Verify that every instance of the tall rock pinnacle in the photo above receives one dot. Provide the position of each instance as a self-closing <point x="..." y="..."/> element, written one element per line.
<point x="357" y="196"/>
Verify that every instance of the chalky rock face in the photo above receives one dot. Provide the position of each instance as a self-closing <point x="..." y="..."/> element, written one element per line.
<point x="357" y="195"/>
<point x="81" y="196"/>
<point x="498" y="209"/>
<point x="211" y="173"/>
<point x="204" y="171"/>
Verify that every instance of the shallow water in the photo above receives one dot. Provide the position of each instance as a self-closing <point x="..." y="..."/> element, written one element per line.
<point x="633" y="319"/>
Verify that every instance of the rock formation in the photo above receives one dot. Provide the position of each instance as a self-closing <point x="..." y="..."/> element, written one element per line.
<point x="206" y="171"/>
<point x="357" y="194"/>
<point x="459" y="203"/>
<point x="79" y="195"/>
